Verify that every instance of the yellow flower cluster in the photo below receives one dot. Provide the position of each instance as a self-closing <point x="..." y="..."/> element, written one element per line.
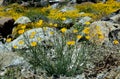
<point x="86" y="30"/>
<point x="75" y="31"/>
<point x="115" y="42"/>
<point x="53" y="25"/>
<point x="56" y="14"/>
<point x="21" y="42"/>
<point x="63" y="30"/>
<point x="39" y="23"/>
<point x="8" y="40"/>
<point x="71" y="43"/>
<point x="21" y="31"/>
<point x="33" y="43"/>
<point x="98" y="10"/>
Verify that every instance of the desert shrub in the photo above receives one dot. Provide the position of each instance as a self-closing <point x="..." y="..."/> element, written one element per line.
<point x="60" y="56"/>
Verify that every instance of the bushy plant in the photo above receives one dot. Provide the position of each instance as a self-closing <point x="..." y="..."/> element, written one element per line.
<point x="58" y="56"/>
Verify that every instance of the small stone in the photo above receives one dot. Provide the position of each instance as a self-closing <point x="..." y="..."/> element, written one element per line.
<point x="22" y="20"/>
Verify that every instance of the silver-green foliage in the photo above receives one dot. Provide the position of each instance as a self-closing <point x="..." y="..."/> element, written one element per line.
<point x="56" y="57"/>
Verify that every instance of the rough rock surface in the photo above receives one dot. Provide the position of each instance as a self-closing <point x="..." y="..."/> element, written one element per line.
<point x="37" y="34"/>
<point x="104" y="27"/>
<point x="22" y="20"/>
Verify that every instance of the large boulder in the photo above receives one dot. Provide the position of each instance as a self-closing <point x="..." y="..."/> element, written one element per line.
<point x="6" y="26"/>
<point x="116" y="18"/>
<point x="37" y="35"/>
<point x="100" y="31"/>
<point x="10" y="59"/>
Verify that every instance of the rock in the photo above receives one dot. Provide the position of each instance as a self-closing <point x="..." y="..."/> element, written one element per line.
<point x="101" y="75"/>
<point x="39" y="35"/>
<point x="68" y="21"/>
<point x="8" y="59"/>
<point x="84" y="19"/>
<point x="44" y="3"/>
<point x="6" y="26"/>
<point x="113" y="17"/>
<point x="25" y="4"/>
<point x="100" y="31"/>
<point x="118" y="0"/>
<point x="4" y="48"/>
<point x="1" y="2"/>
<point x="113" y="73"/>
<point x="116" y="18"/>
<point x="82" y="76"/>
<point x="66" y="8"/>
<point x="22" y="20"/>
<point x="54" y="6"/>
<point x="56" y="0"/>
<point x="73" y="1"/>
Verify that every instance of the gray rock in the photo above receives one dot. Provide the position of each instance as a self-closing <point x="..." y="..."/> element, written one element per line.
<point x="82" y="76"/>
<point x="1" y="2"/>
<point x="39" y="33"/>
<point x="25" y="4"/>
<point x="84" y="19"/>
<point x="10" y="59"/>
<point x="68" y="21"/>
<point x="66" y="8"/>
<point x="101" y="75"/>
<point x="112" y="16"/>
<point x="54" y="6"/>
<point x="4" y="48"/>
<point x="56" y="0"/>
<point x="22" y="20"/>
<point x="118" y="0"/>
<point x="104" y="27"/>
<point x="116" y="18"/>
<point x="44" y="3"/>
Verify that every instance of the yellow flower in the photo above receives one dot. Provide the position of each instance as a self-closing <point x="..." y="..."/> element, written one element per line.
<point x="63" y="30"/>
<point x="21" y="42"/>
<point x="87" y="37"/>
<point x="20" y="31"/>
<point x="44" y="28"/>
<point x="99" y="33"/>
<point x="33" y="43"/>
<point x="86" y="30"/>
<point x="71" y="43"/>
<point x="55" y="25"/>
<point x="50" y="24"/>
<point x="63" y="19"/>
<point x="33" y="33"/>
<point x="79" y="36"/>
<point x="115" y="42"/>
<point x="51" y="33"/>
<point x="39" y="39"/>
<point x="87" y="23"/>
<point x="97" y="27"/>
<point x="15" y="47"/>
<point x="75" y="31"/>
<point x="101" y="37"/>
<point x="23" y="27"/>
<point x="31" y="36"/>
<point x="8" y="40"/>
<point x="40" y="22"/>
